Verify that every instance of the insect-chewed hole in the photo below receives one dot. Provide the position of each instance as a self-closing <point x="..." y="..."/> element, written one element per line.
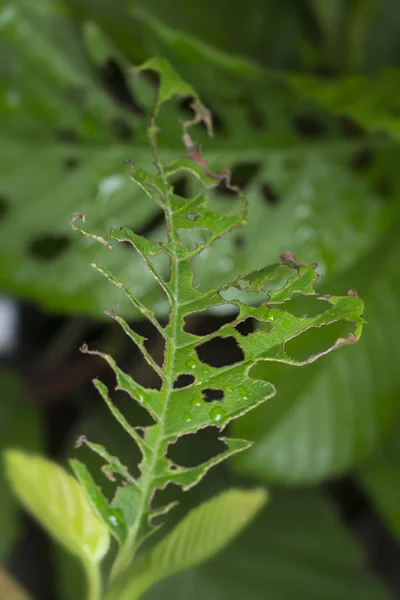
<point x="220" y="352"/>
<point x="183" y="380"/>
<point x="4" y="207"/>
<point x="194" y="449"/>
<point x="210" y="394"/>
<point x="239" y="242"/>
<point x="70" y="163"/>
<point x="384" y="188"/>
<point x="181" y="186"/>
<point x="67" y="135"/>
<point x="246" y="327"/>
<point x="350" y="128"/>
<point x="304" y="306"/>
<point x="309" y="126"/>
<point x="317" y="339"/>
<point x="121" y="129"/>
<point x="250" y="298"/>
<point x="49" y="247"/>
<point x="191" y="238"/>
<point x="113" y="76"/>
<point x="242" y="175"/>
<point x="269" y="193"/>
<point x="363" y="160"/>
<point x="202" y="323"/>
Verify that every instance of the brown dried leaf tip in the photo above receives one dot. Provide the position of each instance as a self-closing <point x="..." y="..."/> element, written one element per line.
<point x="288" y="258"/>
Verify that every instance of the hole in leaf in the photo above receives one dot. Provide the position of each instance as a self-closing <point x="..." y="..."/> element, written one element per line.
<point x="250" y="298"/>
<point x="220" y="352"/>
<point x="75" y="95"/>
<point x="241" y="176"/>
<point x="384" y="188"/>
<point x="210" y="394"/>
<point x="4" y="207"/>
<point x="152" y="224"/>
<point x="194" y="449"/>
<point x="114" y="79"/>
<point x="183" y="380"/>
<point x="49" y="247"/>
<point x="301" y="306"/>
<point x="349" y="128"/>
<point x="269" y="194"/>
<point x="246" y="327"/>
<point x="309" y="126"/>
<point x="181" y="187"/>
<point x="202" y="323"/>
<point x="121" y="129"/>
<point x="363" y="160"/>
<point x="239" y="241"/>
<point x="67" y="135"/>
<point x="191" y="238"/>
<point x="317" y="339"/>
<point x="71" y="162"/>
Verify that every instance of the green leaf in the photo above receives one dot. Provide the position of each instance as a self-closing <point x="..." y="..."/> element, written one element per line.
<point x="296" y="548"/>
<point x="332" y="415"/>
<point x="19" y="424"/>
<point x="77" y="157"/>
<point x="200" y="535"/>
<point x="380" y="476"/>
<point x="60" y="505"/>
<point x="372" y="102"/>
<point x="192" y="226"/>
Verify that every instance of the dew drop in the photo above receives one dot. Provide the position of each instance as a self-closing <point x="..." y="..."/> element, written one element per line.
<point x="186" y="418"/>
<point x="191" y="364"/>
<point x="140" y="398"/>
<point x="195" y="402"/>
<point x="217" y="414"/>
<point x="243" y="393"/>
<point x="229" y="389"/>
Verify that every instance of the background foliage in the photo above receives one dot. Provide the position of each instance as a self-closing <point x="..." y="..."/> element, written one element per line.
<point x="307" y="116"/>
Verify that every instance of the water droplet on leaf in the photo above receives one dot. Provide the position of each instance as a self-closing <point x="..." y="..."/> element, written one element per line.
<point x="243" y="393"/>
<point x="217" y="414"/>
<point x="195" y="402"/>
<point x="191" y="364"/>
<point x="186" y="417"/>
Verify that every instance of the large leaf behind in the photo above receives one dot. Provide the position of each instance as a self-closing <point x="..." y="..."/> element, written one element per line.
<point x="296" y="548"/>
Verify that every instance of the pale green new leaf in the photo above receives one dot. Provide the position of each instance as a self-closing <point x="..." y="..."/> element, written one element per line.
<point x="202" y="533"/>
<point x="59" y="503"/>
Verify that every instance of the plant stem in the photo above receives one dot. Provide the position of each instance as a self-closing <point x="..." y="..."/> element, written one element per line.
<point x="93" y="581"/>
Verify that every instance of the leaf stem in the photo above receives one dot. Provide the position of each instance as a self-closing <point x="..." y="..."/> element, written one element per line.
<point x="93" y="575"/>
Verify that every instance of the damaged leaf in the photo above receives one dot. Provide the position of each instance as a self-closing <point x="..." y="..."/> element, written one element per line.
<point x="180" y="411"/>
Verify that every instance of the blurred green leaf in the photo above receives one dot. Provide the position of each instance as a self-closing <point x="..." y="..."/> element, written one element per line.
<point x="296" y="548"/>
<point x="61" y="506"/>
<point x="328" y="417"/>
<point x="380" y="475"/>
<point x="63" y="150"/>
<point x="201" y="534"/>
<point x="19" y="425"/>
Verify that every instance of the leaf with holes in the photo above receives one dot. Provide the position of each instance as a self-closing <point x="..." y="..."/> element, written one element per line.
<point x="200" y="535"/>
<point x="219" y="389"/>
<point x="332" y="415"/>
<point x="60" y="505"/>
